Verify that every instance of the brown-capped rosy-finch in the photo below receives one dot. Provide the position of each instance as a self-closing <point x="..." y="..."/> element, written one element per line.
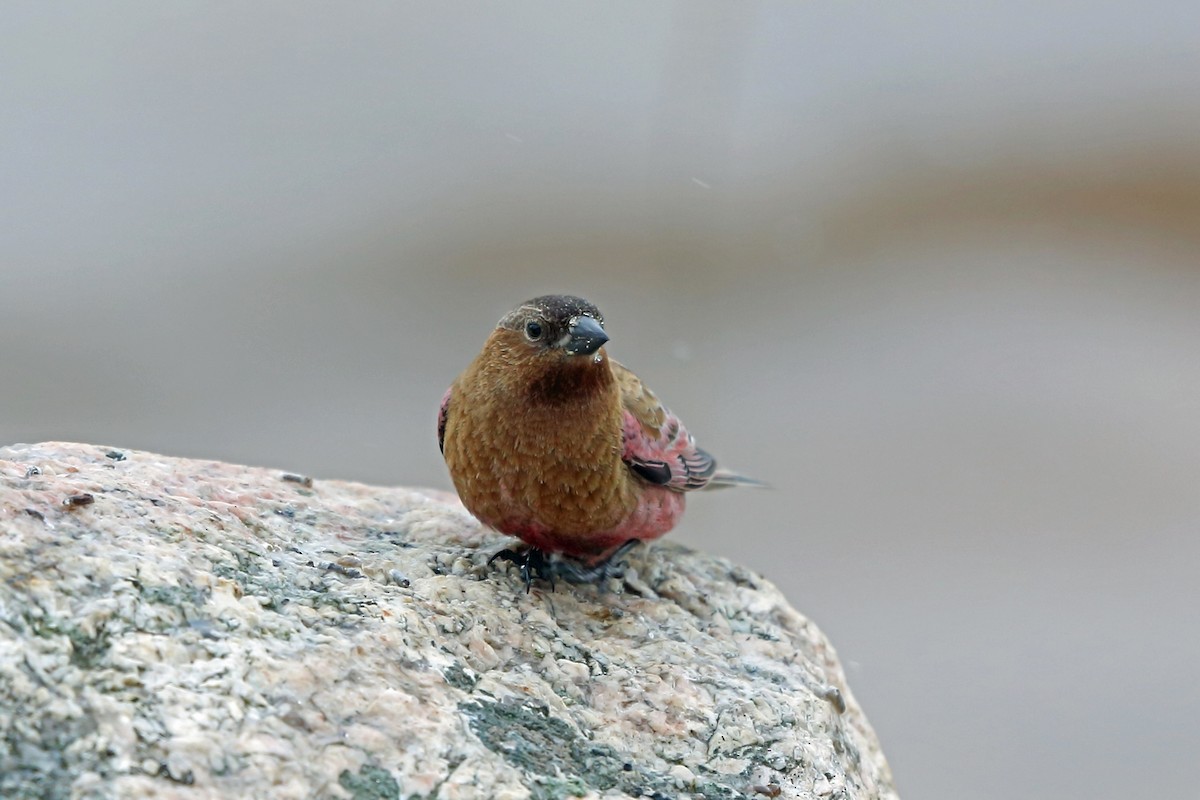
<point x="550" y="440"/>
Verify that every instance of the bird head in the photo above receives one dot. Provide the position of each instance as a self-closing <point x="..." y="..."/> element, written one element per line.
<point x="556" y="327"/>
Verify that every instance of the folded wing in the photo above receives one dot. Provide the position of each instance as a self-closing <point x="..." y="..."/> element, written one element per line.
<point x="656" y="445"/>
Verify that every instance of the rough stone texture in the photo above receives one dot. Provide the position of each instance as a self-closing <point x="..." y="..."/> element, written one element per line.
<point x="206" y="630"/>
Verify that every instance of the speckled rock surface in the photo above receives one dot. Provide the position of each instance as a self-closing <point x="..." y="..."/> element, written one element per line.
<point x="205" y="630"/>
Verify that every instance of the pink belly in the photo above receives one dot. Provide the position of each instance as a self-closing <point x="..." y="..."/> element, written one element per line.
<point x="657" y="511"/>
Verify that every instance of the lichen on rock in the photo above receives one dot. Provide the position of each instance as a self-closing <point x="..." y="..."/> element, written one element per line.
<point x="201" y="629"/>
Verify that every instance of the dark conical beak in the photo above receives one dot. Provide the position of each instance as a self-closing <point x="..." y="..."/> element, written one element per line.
<point x="586" y="337"/>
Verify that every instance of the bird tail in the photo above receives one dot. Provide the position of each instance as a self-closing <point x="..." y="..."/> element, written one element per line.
<point x="723" y="478"/>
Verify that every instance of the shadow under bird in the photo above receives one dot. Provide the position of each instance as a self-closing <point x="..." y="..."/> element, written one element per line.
<point x="549" y="440"/>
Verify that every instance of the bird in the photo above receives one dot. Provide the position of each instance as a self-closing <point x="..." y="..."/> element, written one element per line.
<point x="550" y="440"/>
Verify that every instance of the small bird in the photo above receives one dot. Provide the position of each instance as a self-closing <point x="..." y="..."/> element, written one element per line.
<point x="549" y="440"/>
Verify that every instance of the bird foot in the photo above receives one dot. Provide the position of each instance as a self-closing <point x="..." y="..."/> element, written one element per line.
<point x="535" y="563"/>
<point x="532" y="561"/>
<point x="611" y="567"/>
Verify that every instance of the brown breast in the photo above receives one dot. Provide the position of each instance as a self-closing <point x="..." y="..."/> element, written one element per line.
<point x="537" y="445"/>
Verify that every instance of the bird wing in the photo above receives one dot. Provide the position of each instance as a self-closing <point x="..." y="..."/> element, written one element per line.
<point x="442" y="420"/>
<point x="656" y="445"/>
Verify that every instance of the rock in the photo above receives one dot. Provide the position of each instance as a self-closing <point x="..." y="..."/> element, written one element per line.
<point x="193" y="629"/>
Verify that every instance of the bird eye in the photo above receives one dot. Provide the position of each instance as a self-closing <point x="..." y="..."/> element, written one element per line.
<point x="533" y="329"/>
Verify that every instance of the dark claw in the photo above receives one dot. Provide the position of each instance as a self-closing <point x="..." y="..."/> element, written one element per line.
<point x="534" y="563"/>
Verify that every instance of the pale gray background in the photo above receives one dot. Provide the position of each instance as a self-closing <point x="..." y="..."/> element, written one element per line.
<point x="931" y="271"/>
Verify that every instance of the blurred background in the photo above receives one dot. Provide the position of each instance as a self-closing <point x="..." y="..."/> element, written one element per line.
<point x="933" y="271"/>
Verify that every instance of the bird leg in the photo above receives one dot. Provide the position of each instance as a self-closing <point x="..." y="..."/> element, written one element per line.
<point x="535" y="563"/>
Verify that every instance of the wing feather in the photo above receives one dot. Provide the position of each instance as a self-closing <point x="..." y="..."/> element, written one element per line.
<point x="657" y="447"/>
<point x="442" y="412"/>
